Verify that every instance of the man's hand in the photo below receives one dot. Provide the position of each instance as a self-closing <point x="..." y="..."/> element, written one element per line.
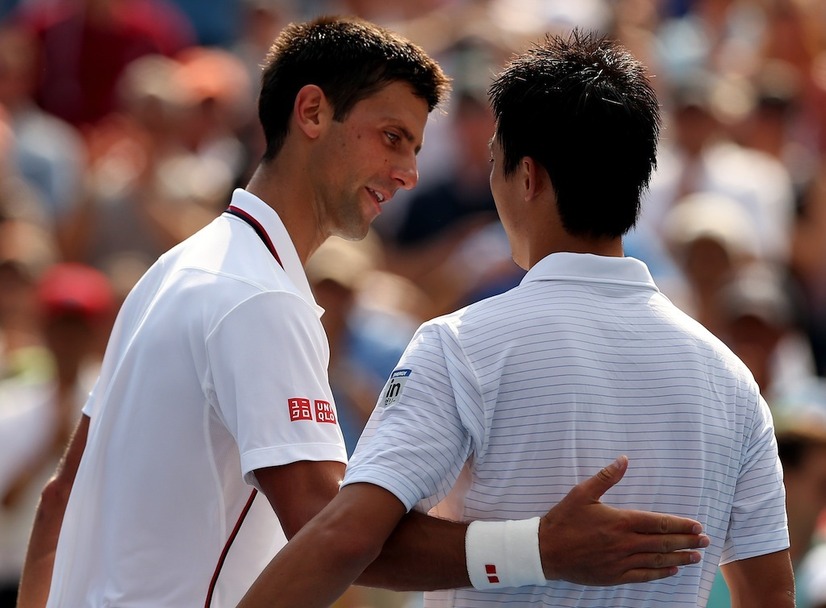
<point x="584" y="541"/>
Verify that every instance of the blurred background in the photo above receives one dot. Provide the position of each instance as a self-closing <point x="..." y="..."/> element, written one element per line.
<point x="125" y="125"/>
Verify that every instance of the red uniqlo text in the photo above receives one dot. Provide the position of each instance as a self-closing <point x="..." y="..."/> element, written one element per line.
<point x="324" y="412"/>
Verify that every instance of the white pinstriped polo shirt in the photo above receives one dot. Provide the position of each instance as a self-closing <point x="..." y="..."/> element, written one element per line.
<point x="538" y="388"/>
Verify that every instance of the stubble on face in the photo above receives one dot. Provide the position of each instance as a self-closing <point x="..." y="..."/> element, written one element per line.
<point x="368" y="157"/>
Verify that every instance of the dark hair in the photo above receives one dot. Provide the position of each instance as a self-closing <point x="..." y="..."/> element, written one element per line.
<point x="349" y="59"/>
<point x="583" y="108"/>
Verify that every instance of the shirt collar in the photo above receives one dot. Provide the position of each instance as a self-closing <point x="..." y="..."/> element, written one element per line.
<point x="590" y="268"/>
<point x="271" y="222"/>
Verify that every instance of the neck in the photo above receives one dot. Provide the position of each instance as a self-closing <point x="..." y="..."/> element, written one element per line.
<point x="610" y="247"/>
<point x="273" y="184"/>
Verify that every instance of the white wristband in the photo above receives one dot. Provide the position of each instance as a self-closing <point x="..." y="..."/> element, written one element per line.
<point x="504" y="554"/>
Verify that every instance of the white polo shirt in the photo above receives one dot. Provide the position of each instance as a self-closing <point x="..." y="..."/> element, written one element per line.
<point x="217" y="366"/>
<point x="522" y="396"/>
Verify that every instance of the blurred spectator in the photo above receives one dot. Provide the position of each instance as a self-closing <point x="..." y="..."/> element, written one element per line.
<point x="48" y="152"/>
<point x="18" y="199"/>
<point x="26" y="251"/>
<point x="443" y="213"/>
<point x="367" y="325"/>
<point x="214" y="22"/>
<point x="808" y="263"/>
<point x="697" y="155"/>
<point x="261" y="22"/>
<point x="159" y="168"/>
<point x="723" y="36"/>
<point x="461" y="198"/>
<point x="380" y="11"/>
<point x="27" y="248"/>
<point x="635" y="24"/>
<point x="532" y="17"/>
<point x="7" y="6"/>
<point x="76" y="307"/>
<point x="709" y="238"/>
<point x="482" y="266"/>
<point x="85" y="45"/>
<point x="761" y="323"/>
<point x="217" y="88"/>
<point x="775" y="121"/>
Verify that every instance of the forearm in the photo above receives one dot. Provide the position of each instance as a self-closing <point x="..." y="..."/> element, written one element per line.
<point x="36" y="578"/>
<point x="37" y="569"/>
<point x="365" y="524"/>
<point x="310" y="574"/>
<point x="580" y="540"/>
<point x="423" y="553"/>
<point x="326" y="555"/>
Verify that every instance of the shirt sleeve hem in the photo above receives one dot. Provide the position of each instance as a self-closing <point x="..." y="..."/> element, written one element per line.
<point x="273" y="457"/>
<point x="385" y="479"/>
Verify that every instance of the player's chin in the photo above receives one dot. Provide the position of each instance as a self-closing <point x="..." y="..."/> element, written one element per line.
<point x="355" y="229"/>
<point x="368" y="215"/>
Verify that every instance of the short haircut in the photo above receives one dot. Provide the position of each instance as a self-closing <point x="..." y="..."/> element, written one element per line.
<point x="583" y="108"/>
<point x="349" y="59"/>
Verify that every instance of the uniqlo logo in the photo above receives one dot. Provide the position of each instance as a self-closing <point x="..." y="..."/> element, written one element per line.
<point x="300" y="409"/>
<point x="324" y="412"/>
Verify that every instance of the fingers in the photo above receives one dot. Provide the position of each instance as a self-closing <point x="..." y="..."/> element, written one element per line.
<point x="668" y="543"/>
<point x="644" y="567"/>
<point x="645" y="522"/>
<point x="585" y="541"/>
<point x="645" y="575"/>
<point x="594" y="487"/>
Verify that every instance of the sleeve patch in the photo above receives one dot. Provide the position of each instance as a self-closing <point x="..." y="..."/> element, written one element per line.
<point x="320" y="411"/>
<point x="394" y="387"/>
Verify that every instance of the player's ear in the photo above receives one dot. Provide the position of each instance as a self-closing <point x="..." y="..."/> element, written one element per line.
<point x="311" y="110"/>
<point x="533" y="178"/>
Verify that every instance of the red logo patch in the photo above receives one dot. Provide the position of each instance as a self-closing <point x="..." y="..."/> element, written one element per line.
<point x="490" y="570"/>
<point x="300" y="409"/>
<point x="324" y="412"/>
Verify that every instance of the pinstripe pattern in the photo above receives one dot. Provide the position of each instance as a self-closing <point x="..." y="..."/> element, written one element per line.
<point x="540" y="387"/>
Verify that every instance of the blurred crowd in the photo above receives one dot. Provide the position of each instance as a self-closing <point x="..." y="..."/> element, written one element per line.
<point x="125" y="125"/>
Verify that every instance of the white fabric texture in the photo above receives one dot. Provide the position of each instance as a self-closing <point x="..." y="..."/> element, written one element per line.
<point x="523" y="395"/>
<point x="195" y="393"/>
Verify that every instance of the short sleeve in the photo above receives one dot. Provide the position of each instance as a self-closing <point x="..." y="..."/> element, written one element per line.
<point x="267" y="360"/>
<point x="416" y="441"/>
<point x="758" y="518"/>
